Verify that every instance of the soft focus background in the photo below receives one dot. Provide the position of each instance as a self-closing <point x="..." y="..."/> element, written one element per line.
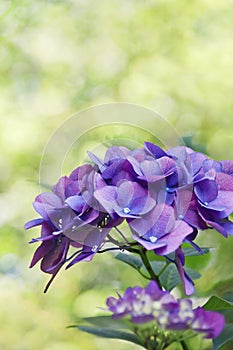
<point x="59" y="57"/>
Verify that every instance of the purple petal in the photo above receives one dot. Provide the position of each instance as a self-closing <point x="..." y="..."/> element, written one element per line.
<point x="180" y="153"/>
<point x="47" y="229"/>
<point x="151" y="171"/>
<point x="126" y="191"/>
<point x="135" y="164"/>
<point x="110" y="171"/>
<point x="153" y="290"/>
<point x="115" y="152"/>
<point x="224" y="182"/>
<point x="124" y="172"/>
<point x="45" y="203"/>
<point x="224" y="226"/>
<point x="89" y="216"/>
<point x="42" y="251"/>
<point x="60" y="188"/>
<point x="80" y="233"/>
<point x="206" y="191"/>
<point x="184" y="200"/>
<point x="186" y="280"/>
<point x="209" y="322"/>
<point x="154" y="150"/>
<point x="175" y="238"/>
<point x="76" y="203"/>
<point x="147" y="222"/>
<point x="80" y="172"/>
<point x="148" y="244"/>
<point x="92" y="242"/>
<point x="107" y="197"/>
<point x="72" y="189"/>
<point x="84" y="256"/>
<point x="143" y="205"/>
<point x="33" y="223"/>
<point x="210" y="164"/>
<point x="96" y="237"/>
<point x="49" y="198"/>
<point x="97" y="161"/>
<point x="55" y="257"/>
<point x="193" y="218"/>
<point x="223" y="202"/>
<point x="227" y="166"/>
<point x="197" y="159"/>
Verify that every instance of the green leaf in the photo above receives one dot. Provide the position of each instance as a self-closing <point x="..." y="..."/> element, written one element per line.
<point x="157" y="266"/>
<point x="191" y="252"/>
<point x="194" y="252"/>
<point x="110" y="333"/>
<point x="152" y="256"/>
<point x="224" y="337"/>
<point x="170" y="278"/>
<point x="130" y="260"/>
<point x="105" y="321"/>
<point x="215" y="303"/>
<point x="194" y="275"/>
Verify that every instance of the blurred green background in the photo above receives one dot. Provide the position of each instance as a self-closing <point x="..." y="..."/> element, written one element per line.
<point x="60" y="57"/>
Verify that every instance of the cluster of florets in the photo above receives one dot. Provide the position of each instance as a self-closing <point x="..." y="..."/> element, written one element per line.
<point x="151" y="304"/>
<point x="165" y="198"/>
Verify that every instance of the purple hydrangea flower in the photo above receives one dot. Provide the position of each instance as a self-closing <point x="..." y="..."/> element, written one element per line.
<point x="159" y="230"/>
<point x="204" y="191"/>
<point x="67" y="219"/>
<point x="185" y="279"/>
<point x="165" y="197"/>
<point x="128" y="199"/>
<point x="150" y="304"/>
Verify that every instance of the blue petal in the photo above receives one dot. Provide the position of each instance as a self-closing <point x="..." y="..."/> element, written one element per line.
<point x="154" y="150"/>
<point x="32" y="223"/>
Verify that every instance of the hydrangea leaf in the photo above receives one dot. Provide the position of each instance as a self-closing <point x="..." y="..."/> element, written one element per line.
<point x="105" y="322"/>
<point x="191" y="252"/>
<point x="170" y="278"/>
<point x="130" y="260"/>
<point x="215" y="303"/>
<point x="157" y="266"/>
<point x="110" y="333"/>
<point x="225" y="337"/>
<point x="194" y="252"/>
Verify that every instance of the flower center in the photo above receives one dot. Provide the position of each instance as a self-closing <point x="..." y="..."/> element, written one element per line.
<point x="94" y="248"/>
<point x="126" y="210"/>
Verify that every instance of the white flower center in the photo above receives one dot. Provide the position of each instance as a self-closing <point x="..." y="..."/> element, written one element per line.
<point x="94" y="248"/>
<point x="126" y="210"/>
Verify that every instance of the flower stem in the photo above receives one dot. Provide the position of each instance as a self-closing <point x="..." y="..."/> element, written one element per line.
<point x="148" y="266"/>
<point x="184" y="345"/>
<point x="121" y="234"/>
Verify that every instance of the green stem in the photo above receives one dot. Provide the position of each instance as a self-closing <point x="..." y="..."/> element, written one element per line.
<point x="114" y="241"/>
<point x="147" y="265"/>
<point x="184" y="345"/>
<point x="121" y="234"/>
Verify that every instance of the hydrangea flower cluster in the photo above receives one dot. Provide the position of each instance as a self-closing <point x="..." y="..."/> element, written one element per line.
<point x="151" y="304"/>
<point x="165" y="198"/>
